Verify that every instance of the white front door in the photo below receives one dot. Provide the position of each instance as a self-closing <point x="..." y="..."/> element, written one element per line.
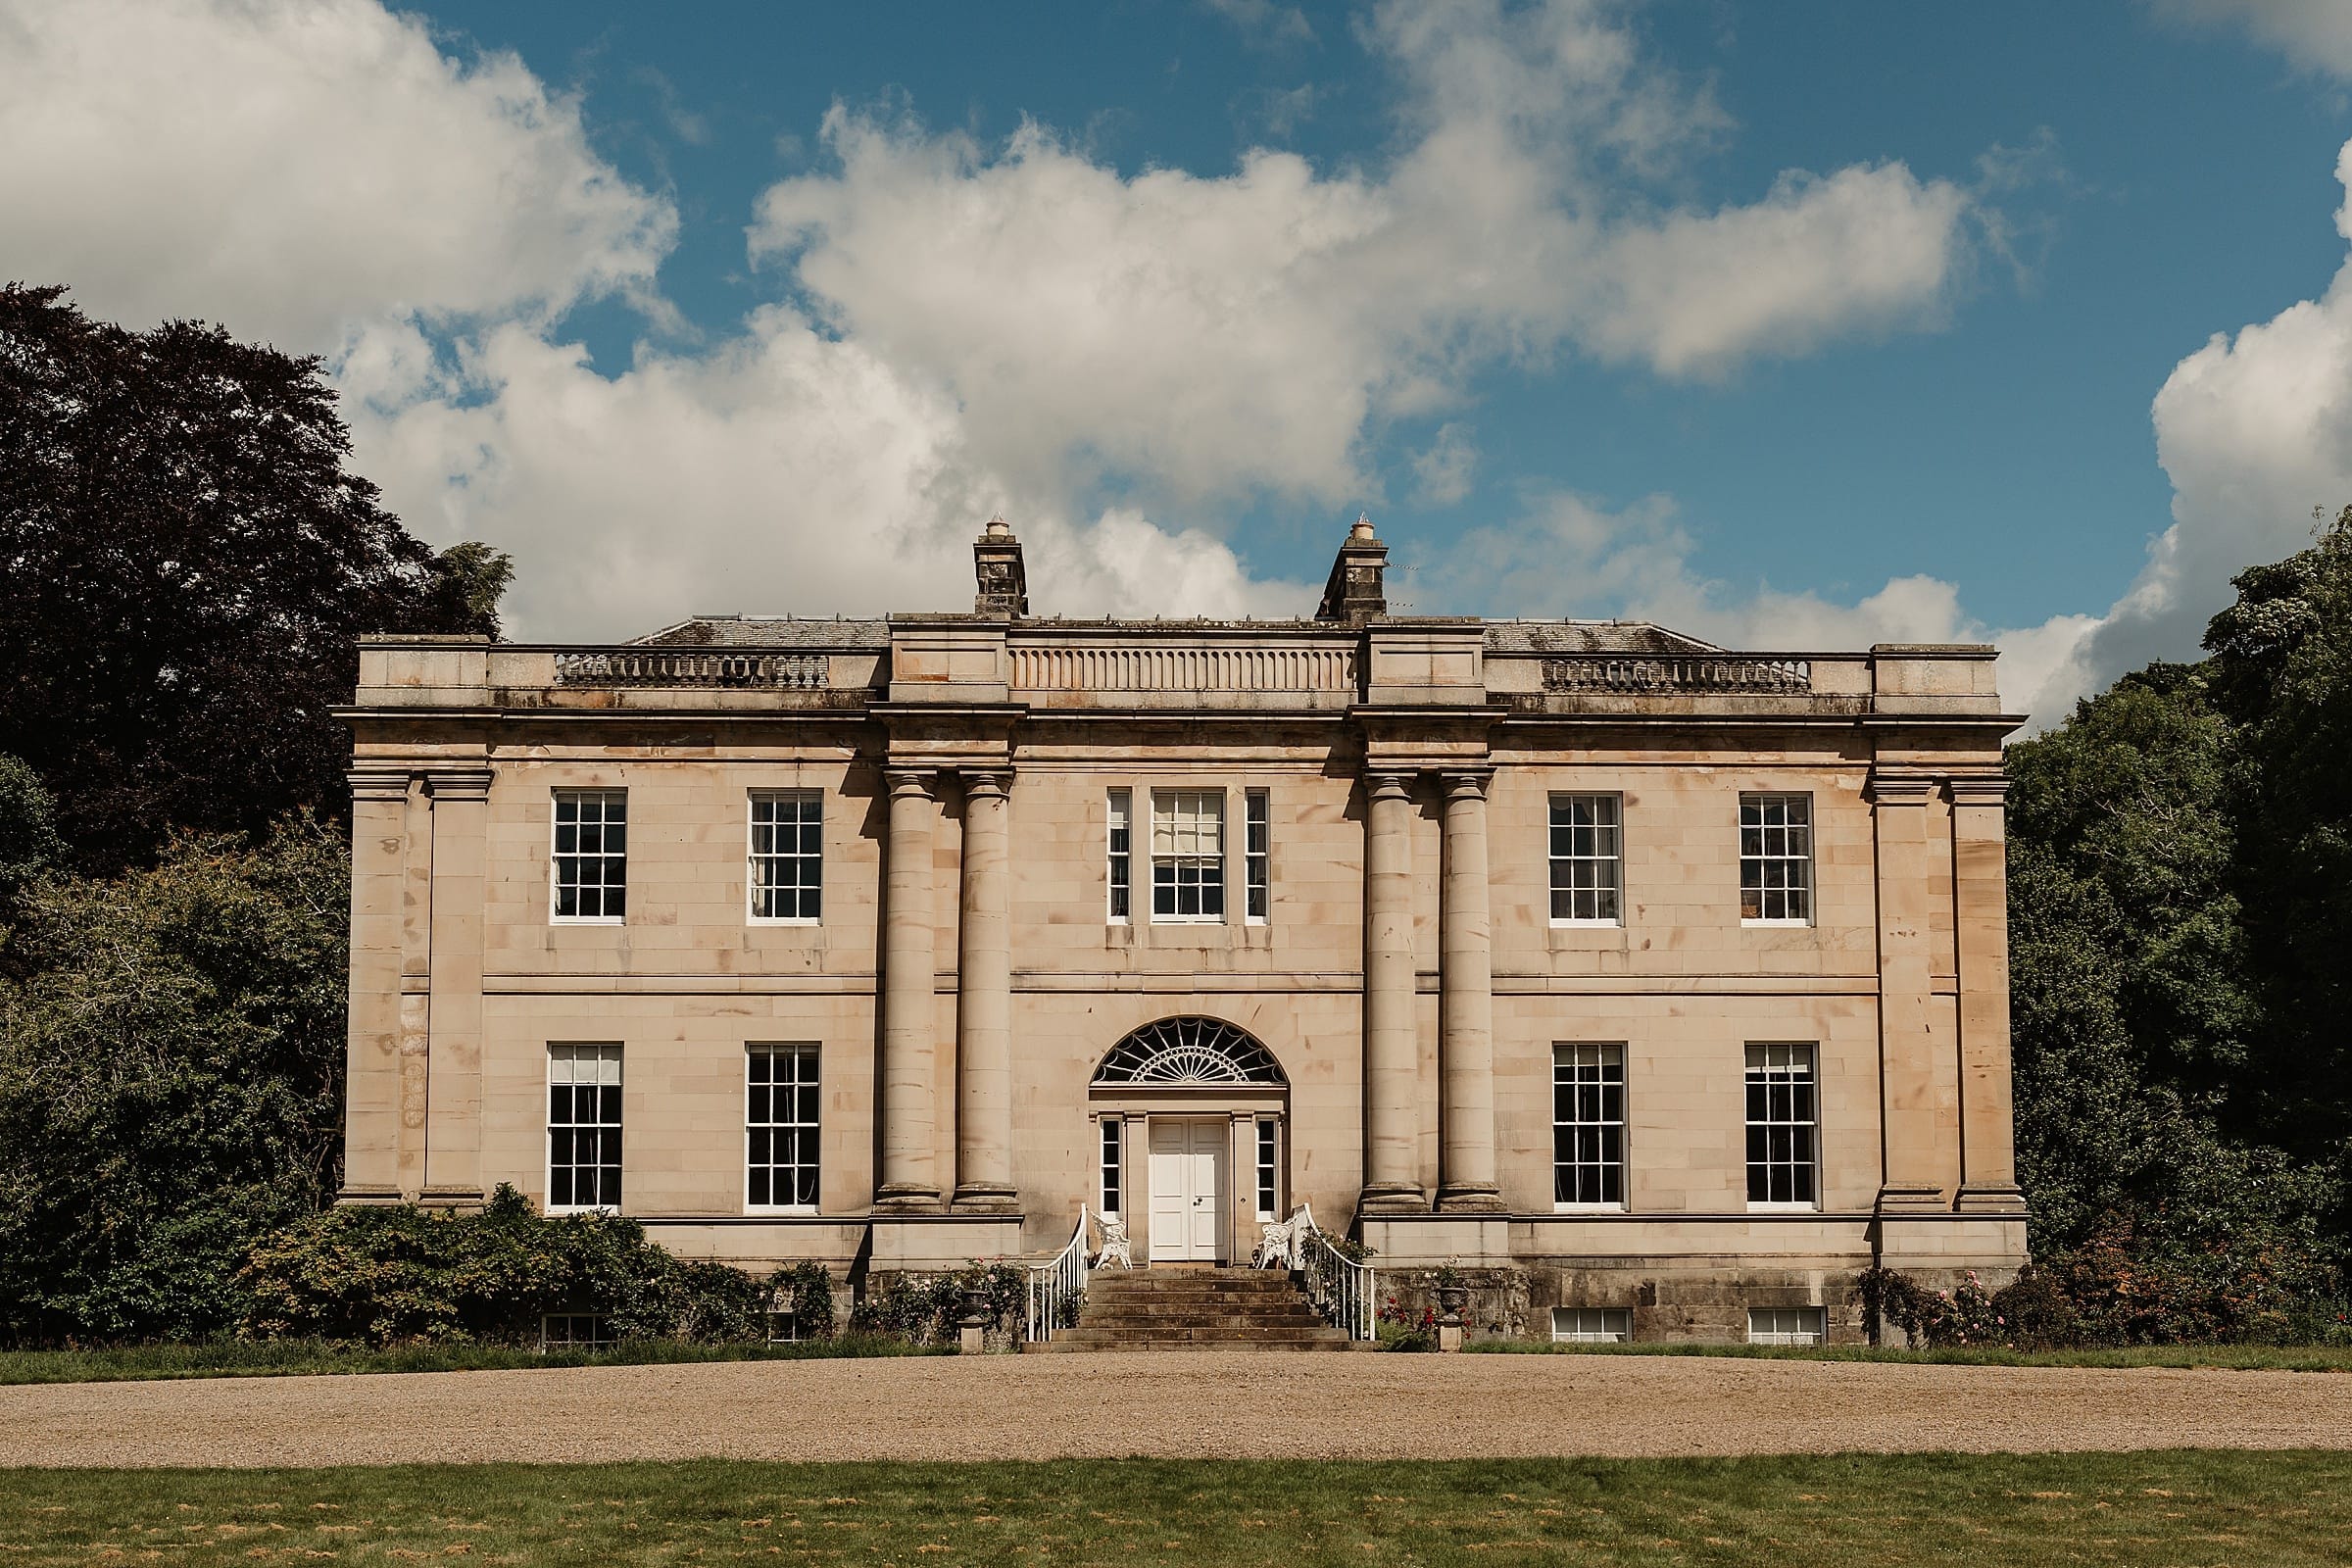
<point x="1188" y="1185"/>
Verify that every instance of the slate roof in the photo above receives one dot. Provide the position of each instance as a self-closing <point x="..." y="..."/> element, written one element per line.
<point x="1502" y="636"/>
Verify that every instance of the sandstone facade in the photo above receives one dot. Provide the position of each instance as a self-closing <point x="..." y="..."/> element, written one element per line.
<point x="965" y="978"/>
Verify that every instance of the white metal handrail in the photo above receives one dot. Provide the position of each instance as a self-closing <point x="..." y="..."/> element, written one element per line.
<point x="1054" y="1286"/>
<point x="1341" y="1289"/>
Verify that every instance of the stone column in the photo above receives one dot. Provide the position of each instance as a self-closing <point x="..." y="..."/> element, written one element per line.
<point x="983" y="999"/>
<point x="1391" y="1046"/>
<point x="1466" y="1005"/>
<point x="1980" y="923"/>
<point x="453" y="1138"/>
<point x="1906" y="1066"/>
<point x="910" y="1008"/>
<point x="379" y="835"/>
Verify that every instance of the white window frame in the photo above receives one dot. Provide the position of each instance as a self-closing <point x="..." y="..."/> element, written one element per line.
<point x="814" y="1056"/>
<point x="753" y="858"/>
<point x="555" y="856"/>
<point x="605" y="1052"/>
<point x="1611" y="832"/>
<point x="1765" y="857"/>
<point x="1111" y="1165"/>
<point x="1770" y="1058"/>
<point x="1118" y="860"/>
<point x="1265" y="1142"/>
<point x="1169" y="805"/>
<point x="1591" y="1325"/>
<point x="1600" y="1051"/>
<point x="1257" y="858"/>
<point x="1788" y="1325"/>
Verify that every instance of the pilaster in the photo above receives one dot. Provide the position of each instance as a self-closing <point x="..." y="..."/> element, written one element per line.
<point x="453" y="1142"/>
<point x="1911" y="1181"/>
<point x="372" y="1112"/>
<point x="1980" y="926"/>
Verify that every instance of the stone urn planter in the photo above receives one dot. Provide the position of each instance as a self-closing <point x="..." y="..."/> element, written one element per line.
<point x="1452" y="1298"/>
<point x="975" y="1311"/>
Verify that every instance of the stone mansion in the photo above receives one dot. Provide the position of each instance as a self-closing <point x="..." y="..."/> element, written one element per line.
<point x="1670" y="981"/>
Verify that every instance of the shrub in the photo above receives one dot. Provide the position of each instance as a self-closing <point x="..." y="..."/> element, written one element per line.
<point x="392" y="1275"/>
<point x="923" y="1308"/>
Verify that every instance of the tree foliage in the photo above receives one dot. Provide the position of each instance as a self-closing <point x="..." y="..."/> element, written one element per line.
<point x="384" y="1276"/>
<point x="172" y="1048"/>
<point x="2179" y="857"/>
<point x="184" y="565"/>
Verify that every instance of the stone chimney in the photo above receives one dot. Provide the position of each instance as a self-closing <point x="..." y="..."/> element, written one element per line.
<point x="1355" y="591"/>
<point x="1003" y="580"/>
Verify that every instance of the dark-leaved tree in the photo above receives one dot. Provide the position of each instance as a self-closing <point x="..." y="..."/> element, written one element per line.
<point x="170" y="1082"/>
<point x="184" y="565"/>
<point x="2282" y="674"/>
<point x="2181" y="905"/>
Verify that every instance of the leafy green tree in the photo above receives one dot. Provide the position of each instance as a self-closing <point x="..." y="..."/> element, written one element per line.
<point x="2282" y="674"/>
<point x="2179" y="912"/>
<point x="184" y="565"/>
<point x="170" y="1082"/>
<point x="29" y="840"/>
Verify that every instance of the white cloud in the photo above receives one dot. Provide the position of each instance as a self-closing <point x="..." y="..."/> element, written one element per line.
<point x="986" y="326"/>
<point x="1696" y="292"/>
<point x="1446" y="473"/>
<point x="1566" y="556"/>
<point x="1224" y="334"/>
<point x="1263" y="24"/>
<point x="784" y="471"/>
<point x="2254" y="431"/>
<point x="2316" y="34"/>
<point x="292" y="169"/>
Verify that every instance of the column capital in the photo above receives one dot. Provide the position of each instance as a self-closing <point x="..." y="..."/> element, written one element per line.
<point x="905" y="781"/>
<point x="991" y="783"/>
<point x="1388" y="783"/>
<point x="378" y="783"/>
<point x="458" y="783"/>
<point x="1467" y="783"/>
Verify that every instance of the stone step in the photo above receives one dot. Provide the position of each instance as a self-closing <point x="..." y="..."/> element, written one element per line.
<point x="1196" y="1309"/>
<point x="1196" y="1315"/>
<point x="1056" y="1346"/>
<point x="1309" y="1333"/>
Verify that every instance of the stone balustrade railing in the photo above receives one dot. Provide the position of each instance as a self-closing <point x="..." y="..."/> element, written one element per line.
<point x="700" y="667"/>
<point x="1695" y="672"/>
<point x="1134" y="666"/>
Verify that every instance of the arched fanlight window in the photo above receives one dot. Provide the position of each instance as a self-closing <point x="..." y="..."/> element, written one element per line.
<point x="1182" y="1052"/>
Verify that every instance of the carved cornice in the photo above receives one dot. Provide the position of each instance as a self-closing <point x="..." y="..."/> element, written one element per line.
<point x="1901" y="785"/>
<point x="1980" y="789"/>
<point x="378" y="783"/>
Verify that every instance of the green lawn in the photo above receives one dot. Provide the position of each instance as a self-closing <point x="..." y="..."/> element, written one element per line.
<point x="2151" y="1509"/>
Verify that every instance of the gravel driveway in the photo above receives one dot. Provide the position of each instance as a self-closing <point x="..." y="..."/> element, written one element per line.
<point x="1165" y="1405"/>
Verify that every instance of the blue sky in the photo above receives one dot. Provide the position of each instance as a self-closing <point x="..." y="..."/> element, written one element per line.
<point x="1794" y="323"/>
<point x="2179" y="182"/>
